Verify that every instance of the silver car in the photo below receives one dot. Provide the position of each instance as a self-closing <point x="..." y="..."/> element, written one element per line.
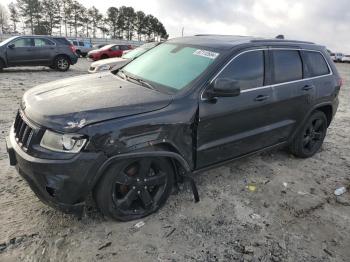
<point x="117" y="62"/>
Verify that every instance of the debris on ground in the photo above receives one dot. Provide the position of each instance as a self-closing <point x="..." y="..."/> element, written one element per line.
<point x="339" y="191"/>
<point x="105" y="245"/>
<point x="139" y="224"/>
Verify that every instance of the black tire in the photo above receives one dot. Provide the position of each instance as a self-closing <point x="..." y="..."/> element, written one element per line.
<point x="104" y="56"/>
<point x="134" y="188"/>
<point x="62" y="63"/>
<point x="310" y="138"/>
<point x="2" y="65"/>
<point x="84" y="55"/>
<point x="78" y="52"/>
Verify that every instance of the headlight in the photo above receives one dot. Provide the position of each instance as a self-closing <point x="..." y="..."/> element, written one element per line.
<point x="103" y="68"/>
<point x="68" y="143"/>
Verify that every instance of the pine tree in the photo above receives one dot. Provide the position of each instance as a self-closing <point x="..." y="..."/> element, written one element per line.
<point x="14" y="16"/>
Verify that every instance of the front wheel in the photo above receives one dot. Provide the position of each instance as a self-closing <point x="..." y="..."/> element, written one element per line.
<point x="62" y="63"/>
<point x="135" y="188"/>
<point x="310" y="138"/>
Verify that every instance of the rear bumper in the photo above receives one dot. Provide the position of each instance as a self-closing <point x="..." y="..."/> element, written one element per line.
<point x="62" y="184"/>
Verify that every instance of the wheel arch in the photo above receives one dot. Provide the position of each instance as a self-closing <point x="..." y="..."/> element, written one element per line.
<point x="326" y="108"/>
<point x="162" y="150"/>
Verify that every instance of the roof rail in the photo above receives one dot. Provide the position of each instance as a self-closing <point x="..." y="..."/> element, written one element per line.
<point x="222" y="35"/>
<point x="281" y="41"/>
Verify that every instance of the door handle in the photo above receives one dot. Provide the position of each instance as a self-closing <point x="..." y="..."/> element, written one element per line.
<point x="261" y="98"/>
<point x="308" y="87"/>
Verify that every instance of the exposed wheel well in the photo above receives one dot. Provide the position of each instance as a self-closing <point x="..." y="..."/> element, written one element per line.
<point x="328" y="111"/>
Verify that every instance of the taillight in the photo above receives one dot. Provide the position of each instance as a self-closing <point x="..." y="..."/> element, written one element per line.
<point x="72" y="47"/>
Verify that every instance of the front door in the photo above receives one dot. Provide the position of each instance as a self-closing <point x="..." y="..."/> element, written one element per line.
<point x="19" y="52"/>
<point x="234" y="126"/>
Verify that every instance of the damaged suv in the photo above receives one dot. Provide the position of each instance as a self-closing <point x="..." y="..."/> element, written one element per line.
<point x="126" y="137"/>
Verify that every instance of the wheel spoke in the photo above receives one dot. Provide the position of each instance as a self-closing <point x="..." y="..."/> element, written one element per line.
<point x="127" y="200"/>
<point x="144" y="168"/>
<point x="146" y="198"/>
<point x="318" y="135"/>
<point x="156" y="180"/>
<point x="124" y="179"/>
<point x="306" y="141"/>
<point x="318" y="124"/>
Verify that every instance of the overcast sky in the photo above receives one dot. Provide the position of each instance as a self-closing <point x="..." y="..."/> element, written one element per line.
<point x="322" y="21"/>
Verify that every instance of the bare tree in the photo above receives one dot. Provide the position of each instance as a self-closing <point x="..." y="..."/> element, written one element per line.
<point x="14" y="16"/>
<point x="3" y="19"/>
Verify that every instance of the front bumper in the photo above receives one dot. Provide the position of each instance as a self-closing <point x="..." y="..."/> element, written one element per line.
<point x="62" y="184"/>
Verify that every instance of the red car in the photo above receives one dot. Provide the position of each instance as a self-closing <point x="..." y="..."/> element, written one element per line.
<point x="108" y="51"/>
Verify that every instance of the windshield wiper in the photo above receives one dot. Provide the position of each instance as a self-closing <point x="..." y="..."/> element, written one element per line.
<point x="139" y="81"/>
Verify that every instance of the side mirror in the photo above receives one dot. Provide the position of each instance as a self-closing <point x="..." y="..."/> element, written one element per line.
<point x="224" y="87"/>
<point x="11" y="46"/>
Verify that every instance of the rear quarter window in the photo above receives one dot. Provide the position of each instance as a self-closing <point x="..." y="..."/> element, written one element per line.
<point x="287" y="66"/>
<point x="316" y="64"/>
<point x="62" y="41"/>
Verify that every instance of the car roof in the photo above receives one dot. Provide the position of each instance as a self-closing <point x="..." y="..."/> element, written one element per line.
<point x="226" y="42"/>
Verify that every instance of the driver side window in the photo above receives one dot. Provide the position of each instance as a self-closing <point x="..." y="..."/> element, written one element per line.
<point x="247" y="69"/>
<point x="23" y="42"/>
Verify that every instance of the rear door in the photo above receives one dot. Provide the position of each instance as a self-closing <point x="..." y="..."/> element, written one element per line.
<point x="319" y="71"/>
<point x="293" y="91"/>
<point x="21" y="52"/>
<point x="233" y="126"/>
<point x="43" y="51"/>
<point x="115" y="51"/>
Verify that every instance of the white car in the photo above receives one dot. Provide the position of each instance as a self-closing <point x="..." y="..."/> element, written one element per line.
<point x="337" y="57"/>
<point x="346" y="59"/>
<point x="117" y="62"/>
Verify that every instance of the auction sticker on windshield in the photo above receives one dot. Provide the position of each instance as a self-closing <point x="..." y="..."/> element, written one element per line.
<point x="205" y="53"/>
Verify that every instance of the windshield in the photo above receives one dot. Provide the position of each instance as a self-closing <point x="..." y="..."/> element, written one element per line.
<point x="7" y="41"/>
<point x="139" y="51"/>
<point x="170" y="65"/>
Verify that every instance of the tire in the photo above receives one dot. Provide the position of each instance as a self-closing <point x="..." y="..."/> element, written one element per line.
<point x="310" y="138"/>
<point x="104" y="56"/>
<point x="134" y="188"/>
<point x="84" y="55"/>
<point x="2" y="65"/>
<point x="62" y="63"/>
<point x="78" y="52"/>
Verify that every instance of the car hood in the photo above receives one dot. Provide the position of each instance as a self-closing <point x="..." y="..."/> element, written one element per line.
<point x="109" y="61"/>
<point x="70" y="104"/>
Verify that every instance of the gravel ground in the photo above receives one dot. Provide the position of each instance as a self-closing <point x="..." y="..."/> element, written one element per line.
<point x="292" y="216"/>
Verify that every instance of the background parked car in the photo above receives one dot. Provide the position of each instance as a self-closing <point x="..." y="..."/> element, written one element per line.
<point x="82" y="47"/>
<point x="108" y="51"/>
<point x="94" y="47"/>
<point x="346" y="59"/>
<point x="337" y="57"/>
<point x="55" y="52"/>
<point x="117" y="62"/>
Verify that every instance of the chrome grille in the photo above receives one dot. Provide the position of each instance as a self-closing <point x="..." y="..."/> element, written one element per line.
<point x="23" y="132"/>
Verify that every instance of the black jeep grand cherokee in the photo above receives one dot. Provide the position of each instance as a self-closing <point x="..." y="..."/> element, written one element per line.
<point x="187" y="105"/>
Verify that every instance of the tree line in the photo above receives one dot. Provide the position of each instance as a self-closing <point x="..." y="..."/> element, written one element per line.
<point x="71" y="19"/>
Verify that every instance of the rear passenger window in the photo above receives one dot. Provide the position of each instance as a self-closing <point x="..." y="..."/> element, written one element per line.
<point x="287" y="66"/>
<point x="81" y="43"/>
<point x="42" y="42"/>
<point x="316" y="64"/>
<point x="247" y="69"/>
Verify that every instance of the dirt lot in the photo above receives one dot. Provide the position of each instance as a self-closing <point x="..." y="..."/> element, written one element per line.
<point x="292" y="216"/>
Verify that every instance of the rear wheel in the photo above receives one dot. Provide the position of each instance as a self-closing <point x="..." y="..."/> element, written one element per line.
<point x="62" y="63"/>
<point x="310" y="139"/>
<point x="134" y="188"/>
<point x="78" y="52"/>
